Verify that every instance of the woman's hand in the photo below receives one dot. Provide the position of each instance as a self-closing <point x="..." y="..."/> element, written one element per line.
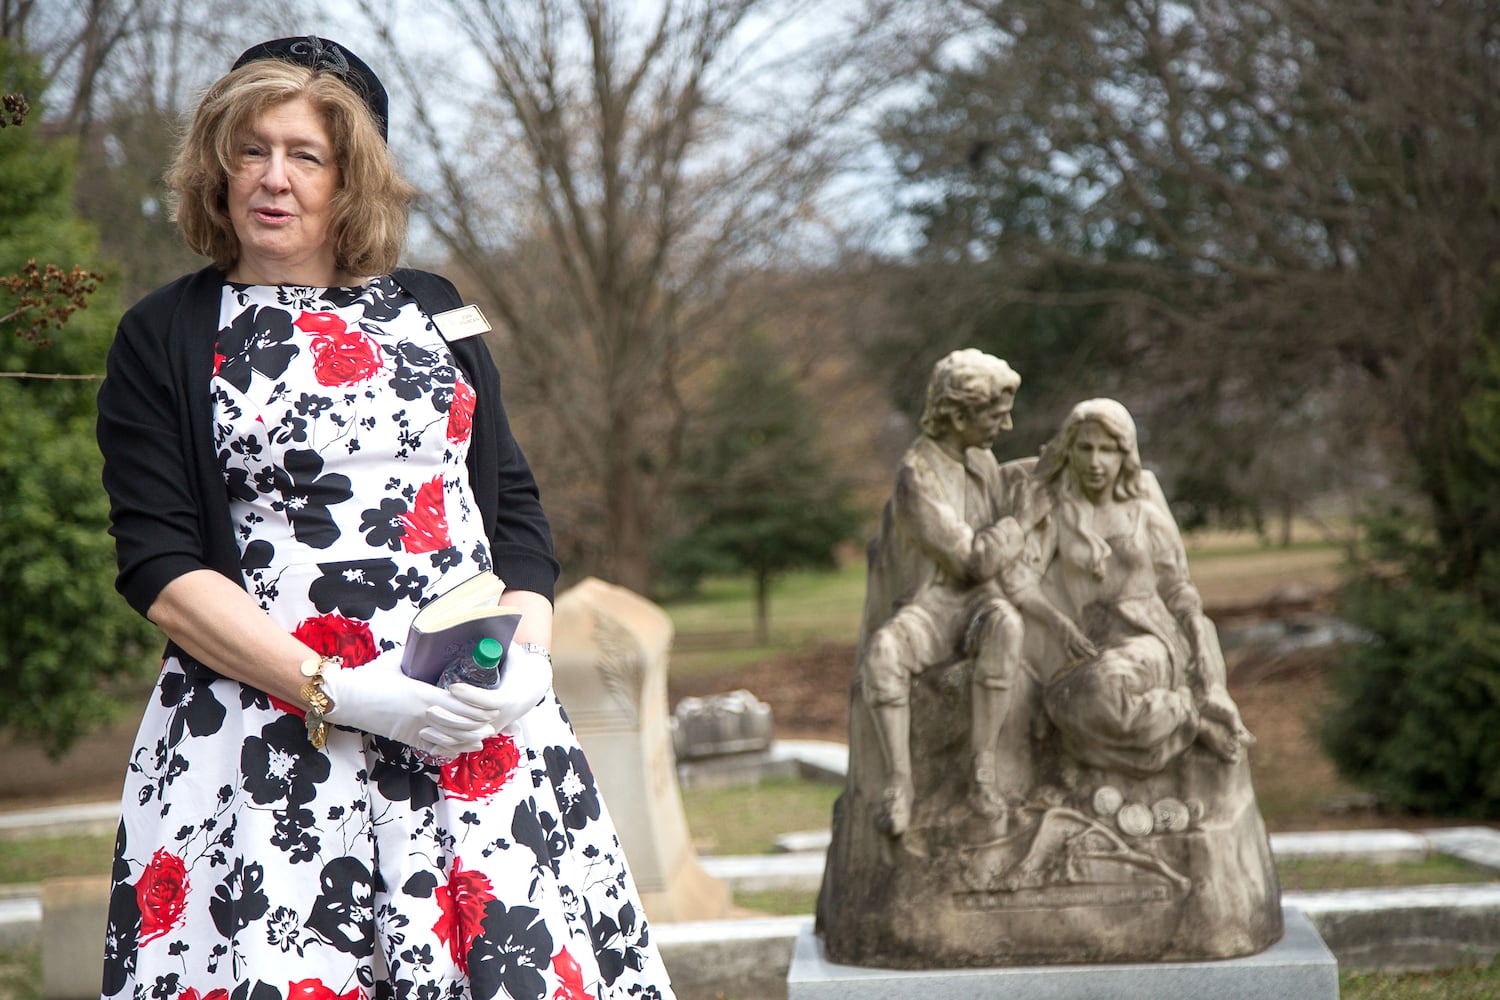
<point x="525" y="678"/>
<point x="413" y="712"/>
<point x="1077" y="645"/>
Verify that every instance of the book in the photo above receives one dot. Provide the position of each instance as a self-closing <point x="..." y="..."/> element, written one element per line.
<point x="449" y="625"/>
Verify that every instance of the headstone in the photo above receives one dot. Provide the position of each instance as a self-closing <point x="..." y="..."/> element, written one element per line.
<point x="1045" y="765"/>
<point x="719" y="724"/>
<point x="609" y="654"/>
<point x="74" y="912"/>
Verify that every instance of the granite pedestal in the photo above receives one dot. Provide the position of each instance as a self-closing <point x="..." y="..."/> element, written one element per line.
<point x="1299" y="965"/>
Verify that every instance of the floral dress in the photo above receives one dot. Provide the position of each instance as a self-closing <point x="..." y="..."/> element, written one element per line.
<point x="248" y="865"/>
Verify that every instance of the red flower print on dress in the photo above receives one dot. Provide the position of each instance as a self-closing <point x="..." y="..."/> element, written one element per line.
<point x="192" y="994"/>
<point x="332" y="635"/>
<point x="479" y="774"/>
<point x="427" y="522"/>
<point x="570" y="978"/>
<point x="313" y="989"/>
<point x="462" y="903"/>
<point x="461" y="413"/>
<point x="341" y="356"/>
<point x="335" y="635"/>
<point x="161" y="894"/>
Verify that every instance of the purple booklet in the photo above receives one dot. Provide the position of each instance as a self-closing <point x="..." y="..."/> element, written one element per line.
<point x="449" y="626"/>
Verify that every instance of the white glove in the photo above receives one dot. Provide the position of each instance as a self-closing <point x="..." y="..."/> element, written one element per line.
<point x="413" y="712"/>
<point x="525" y="678"/>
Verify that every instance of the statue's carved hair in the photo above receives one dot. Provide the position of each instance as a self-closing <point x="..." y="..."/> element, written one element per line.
<point x="961" y="381"/>
<point x="1118" y="423"/>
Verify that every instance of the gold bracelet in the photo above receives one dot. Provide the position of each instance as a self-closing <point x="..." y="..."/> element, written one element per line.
<point x="318" y="702"/>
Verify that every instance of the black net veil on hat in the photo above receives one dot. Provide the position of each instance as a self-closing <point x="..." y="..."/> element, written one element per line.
<point x="330" y="57"/>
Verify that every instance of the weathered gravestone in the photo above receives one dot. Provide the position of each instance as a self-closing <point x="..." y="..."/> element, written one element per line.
<point x="735" y="722"/>
<point x="1045" y="766"/>
<point x="609" y="650"/>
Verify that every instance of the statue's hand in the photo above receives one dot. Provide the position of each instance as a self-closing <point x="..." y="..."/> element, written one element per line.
<point x="1077" y="645"/>
<point x="994" y="547"/>
<point x="1218" y="706"/>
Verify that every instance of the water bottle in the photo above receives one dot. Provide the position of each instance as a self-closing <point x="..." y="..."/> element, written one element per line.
<point x="480" y="668"/>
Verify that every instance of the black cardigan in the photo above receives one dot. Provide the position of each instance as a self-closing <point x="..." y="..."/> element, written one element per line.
<point x="169" y="507"/>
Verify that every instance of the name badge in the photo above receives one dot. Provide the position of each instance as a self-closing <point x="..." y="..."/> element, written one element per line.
<point x="465" y="321"/>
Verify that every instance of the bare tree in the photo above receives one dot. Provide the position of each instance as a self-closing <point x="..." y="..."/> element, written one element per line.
<point x="119" y="75"/>
<point x="613" y="173"/>
<point x="1274" y="202"/>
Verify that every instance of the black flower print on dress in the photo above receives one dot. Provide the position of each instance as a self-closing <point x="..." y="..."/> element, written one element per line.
<point x="355" y="589"/>
<point x="256" y="342"/>
<point x="299" y="297"/>
<point x="542" y="834"/>
<point x="240" y="899"/>
<point x="190" y="694"/>
<point x="237" y="481"/>
<point x="283" y="930"/>
<point x="618" y="942"/>
<point x="417" y="368"/>
<point x="378" y="302"/>
<point x="307" y="494"/>
<point x="311" y="405"/>
<point x="384" y="526"/>
<point x="400" y="777"/>
<point x="344" y="911"/>
<point x="569" y="773"/>
<point x="280" y="765"/>
<point x="509" y="954"/>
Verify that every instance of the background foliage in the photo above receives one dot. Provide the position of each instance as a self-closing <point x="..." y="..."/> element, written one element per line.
<point x="1419" y="705"/>
<point x="66" y="634"/>
<point x="759" y="495"/>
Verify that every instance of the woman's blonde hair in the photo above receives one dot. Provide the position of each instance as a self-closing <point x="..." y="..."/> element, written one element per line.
<point x="367" y="229"/>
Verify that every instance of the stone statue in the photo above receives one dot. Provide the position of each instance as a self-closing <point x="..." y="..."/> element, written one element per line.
<point x="942" y="538"/>
<point x="1045" y="763"/>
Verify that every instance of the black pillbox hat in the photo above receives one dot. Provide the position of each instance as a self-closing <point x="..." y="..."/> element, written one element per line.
<point x="330" y="57"/>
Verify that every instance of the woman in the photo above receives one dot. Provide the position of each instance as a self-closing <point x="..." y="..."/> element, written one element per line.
<point x="1141" y="676"/>
<point x="297" y="459"/>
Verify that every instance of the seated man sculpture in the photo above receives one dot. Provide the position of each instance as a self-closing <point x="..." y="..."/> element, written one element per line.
<point x="942" y="543"/>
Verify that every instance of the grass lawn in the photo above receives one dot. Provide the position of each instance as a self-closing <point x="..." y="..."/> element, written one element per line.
<point x="1444" y="984"/>
<point x="714" y="626"/>
<point x="35" y="859"/>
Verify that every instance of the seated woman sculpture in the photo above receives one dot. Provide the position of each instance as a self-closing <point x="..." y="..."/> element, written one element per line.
<point x="1139" y="675"/>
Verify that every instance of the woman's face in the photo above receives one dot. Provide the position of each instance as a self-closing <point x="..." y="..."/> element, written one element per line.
<point x="281" y="196"/>
<point x="1095" y="458"/>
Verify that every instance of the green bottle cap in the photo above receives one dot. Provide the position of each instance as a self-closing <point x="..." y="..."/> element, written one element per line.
<point x="488" y="653"/>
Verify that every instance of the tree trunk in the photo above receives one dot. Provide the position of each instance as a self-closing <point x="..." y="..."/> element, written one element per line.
<point x="762" y="609"/>
<point x="628" y="555"/>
